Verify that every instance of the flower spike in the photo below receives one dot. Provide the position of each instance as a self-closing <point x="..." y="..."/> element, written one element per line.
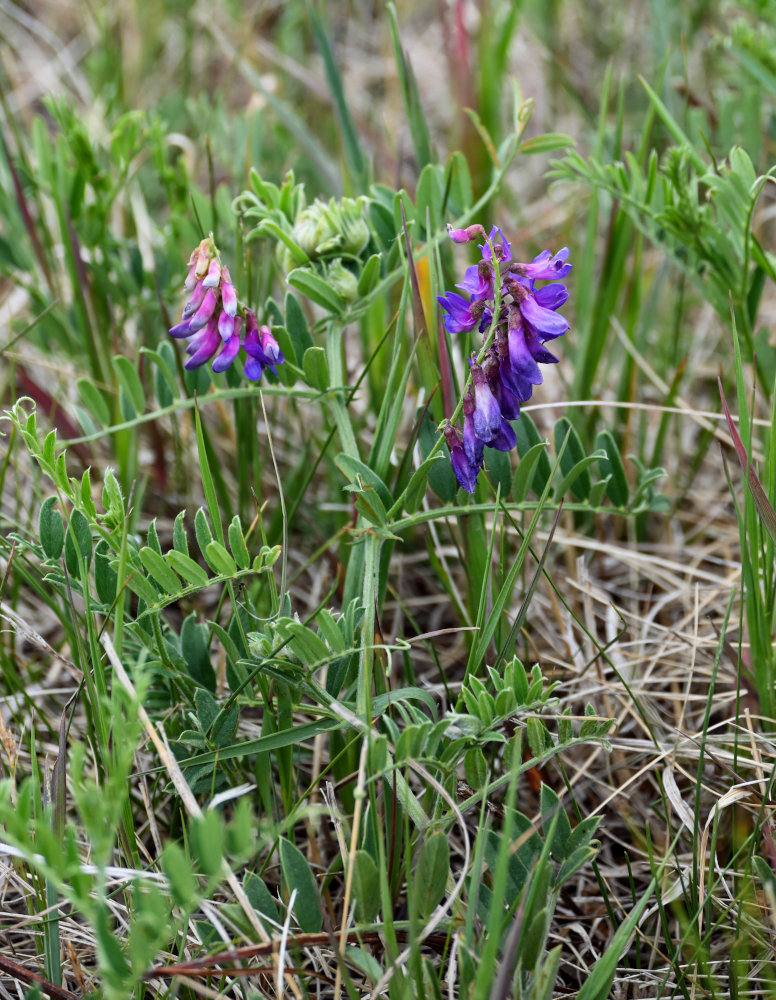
<point x="514" y="340"/>
<point x="212" y="319"/>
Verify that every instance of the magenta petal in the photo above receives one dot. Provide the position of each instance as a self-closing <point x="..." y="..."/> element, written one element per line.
<point x="205" y="311"/>
<point x="228" y="297"/>
<point x="207" y="344"/>
<point x="271" y="348"/>
<point x="196" y="299"/>
<point x="227" y="355"/>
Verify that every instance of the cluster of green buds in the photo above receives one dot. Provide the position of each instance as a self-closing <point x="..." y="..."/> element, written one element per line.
<point x="330" y="233"/>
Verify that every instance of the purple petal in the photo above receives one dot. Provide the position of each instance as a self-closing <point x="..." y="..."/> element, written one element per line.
<point x="464" y="472"/>
<point x="544" y="267"/>
<point x="545" y="322"/>
<point x="206" y="345"/>
<point x="271" y="348"/>
<point x="521" y="360"/>
<point x="538" y="351"/>
<point x="228" y="354"/>
<point x="472" y="445"/>
<point x="497" y="239"/>
<point x="459" y="309"/>
<point x="253" y="368"/>
<point x="487" y="415"/>
<point x="506" y="439"/>
<point x="191" y="277"/>
<point x="478" y="285"/>
<point x="516" y="383"/>
<point x="464" y="469"/>
<point x="252" y="346"/>
<point x="508" y="400"/>
<point x="551" y="296"/>
<point x="181" y="329"/>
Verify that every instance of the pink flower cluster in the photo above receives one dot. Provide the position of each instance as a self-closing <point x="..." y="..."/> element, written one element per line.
<point x="212" y="319"/>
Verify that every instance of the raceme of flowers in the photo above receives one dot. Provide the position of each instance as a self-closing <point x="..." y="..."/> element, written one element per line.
<point x="527" y="318"/>
<point x="213" y="320"/>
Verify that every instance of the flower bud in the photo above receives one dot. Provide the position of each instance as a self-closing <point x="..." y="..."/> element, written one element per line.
<point x="228" y="294"/>
<point x="213" y="276"/>
<point x="343" y="281"/>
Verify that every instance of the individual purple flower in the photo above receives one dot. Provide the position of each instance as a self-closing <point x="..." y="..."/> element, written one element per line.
<point x="473" y="446"/>
<point x="487" y="415"/>
<point x="204" y="345"/>
<point x="545" y="267"/>
<point x="478" y="282"/>
<point x="198" y="294"/>
<point x="462" y="315"/>
<point x="502" y="249"/>
<point x="226" y="325"/>
<point x="228" y="294"/>
<point x="465" y="473"/>
<point x="465" y="235"/>
<point x="547" y="323"/>
<point x="261" y="347"/>
<point x="230" y="349"/>
<point x="205" y="311"/>
<point x="271" y="349"/>
<point x="213" y="277"/>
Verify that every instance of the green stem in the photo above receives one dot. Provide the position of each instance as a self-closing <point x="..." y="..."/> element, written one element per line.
<point x="337" y="398"/>
<point x="371" y="544"/>
<point x="367" y="655"/>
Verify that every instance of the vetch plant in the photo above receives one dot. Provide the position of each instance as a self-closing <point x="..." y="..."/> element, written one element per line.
<point x="516" y="319"/>
<point x="212" y="319"/>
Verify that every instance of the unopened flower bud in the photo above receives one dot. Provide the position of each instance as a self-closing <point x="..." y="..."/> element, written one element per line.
<point x="228" y="293"/>
<point x="213" y="275"/>
<point x="466" y="235"/>
<point x="343" y="281"/>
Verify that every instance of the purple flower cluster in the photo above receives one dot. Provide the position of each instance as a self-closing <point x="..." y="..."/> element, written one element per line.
<point x="527" y="318"/>
<point x="212" y="319"/>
